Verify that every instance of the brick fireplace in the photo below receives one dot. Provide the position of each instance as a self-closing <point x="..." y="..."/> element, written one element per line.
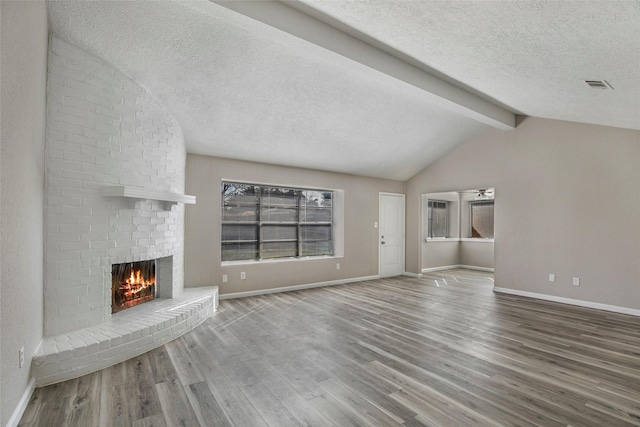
<point x="105" y="132"/>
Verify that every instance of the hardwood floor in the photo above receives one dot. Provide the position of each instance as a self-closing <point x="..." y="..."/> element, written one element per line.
<point x="443" y="350"/>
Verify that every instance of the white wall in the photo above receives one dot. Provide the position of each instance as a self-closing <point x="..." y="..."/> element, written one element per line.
<point x="568" y="203"/>
<point x="23" y="45"/>
<point x="202" y="226"/>
<point x="103" y="129"/>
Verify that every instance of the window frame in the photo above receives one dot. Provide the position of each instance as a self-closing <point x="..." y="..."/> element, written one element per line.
<point x="300" y="223"/>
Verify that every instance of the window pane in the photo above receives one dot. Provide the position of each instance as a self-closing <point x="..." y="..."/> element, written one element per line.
<point x="239" y="193"/>
<point x="316" y="206"/>
<point x="482" y="219"/>
<point x="240" y="213"/>
<point x="279" y="204"/>
<point x="279" y="196"/>
<point x="316" y="232"/>
<point x="437" y="225"/>
<point x="279" y="249"/>
<point x="311" y="214"/>
<point x="239" y="251"/>
<point x="312" y="198"/>
<point x="278" y="214"/>
<point x="239" y="232"/>
<point x="239" y="202"/>
<point x="317" y="248"/>
<point x="279" y="232"/>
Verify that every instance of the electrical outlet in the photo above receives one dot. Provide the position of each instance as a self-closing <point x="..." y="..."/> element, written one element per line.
<point x="338" y="266"/>
<point x="243" y="275"/>
<point x="552" y="277"/>
<point x="576" y="281"/>
<point x="225" y="278"/>
<point x="21" y="356"/>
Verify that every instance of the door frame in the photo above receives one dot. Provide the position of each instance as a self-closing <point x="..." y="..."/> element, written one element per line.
<point x="404" y="228"/>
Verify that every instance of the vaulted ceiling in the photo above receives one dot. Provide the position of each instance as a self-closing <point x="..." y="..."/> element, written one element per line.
<point x="369" y="87"/>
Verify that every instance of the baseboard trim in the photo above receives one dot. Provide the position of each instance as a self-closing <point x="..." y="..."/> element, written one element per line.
<point x="473" y="267"/>
<point x="410" y="274"/>
<point x="22" y="405"/>
<point x="453" y="267"/>
<point x="296" y="287"/>
<point x="570" y="301"/>
<point x="444" y="267"/>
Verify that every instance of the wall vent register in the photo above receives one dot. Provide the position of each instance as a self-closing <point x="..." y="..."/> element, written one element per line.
<point x="599" y="84"/>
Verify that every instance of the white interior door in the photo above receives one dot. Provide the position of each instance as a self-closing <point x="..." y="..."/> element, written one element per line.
<point x="391" y="238"/>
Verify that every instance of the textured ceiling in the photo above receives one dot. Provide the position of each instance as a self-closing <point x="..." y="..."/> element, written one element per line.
<point x="532" y="56"/>
<point x="243" y="89"/>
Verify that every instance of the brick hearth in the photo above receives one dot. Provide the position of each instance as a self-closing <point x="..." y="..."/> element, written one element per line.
<point x="127" y="334"/>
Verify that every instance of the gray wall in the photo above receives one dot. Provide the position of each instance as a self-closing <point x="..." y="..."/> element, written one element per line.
<point x="557" y="185"/>
<point x="24" y="64"/>
<point x="439" y="253"/>
<point x="476" y="254"/>
<point x="202" y="226"/>
<point x="453" y="252"/>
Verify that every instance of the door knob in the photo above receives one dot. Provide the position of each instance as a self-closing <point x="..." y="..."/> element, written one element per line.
<point x="382" y="243"/>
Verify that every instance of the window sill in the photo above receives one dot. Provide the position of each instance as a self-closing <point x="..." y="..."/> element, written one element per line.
<point x="443" y="239"/>
<point x="463" y="239"/>
<point x="278" y="260"/>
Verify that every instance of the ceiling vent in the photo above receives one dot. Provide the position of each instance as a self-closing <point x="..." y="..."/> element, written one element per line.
<point x="599" y="84"/>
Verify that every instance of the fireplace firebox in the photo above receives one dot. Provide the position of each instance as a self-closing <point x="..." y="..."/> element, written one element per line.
<point x="133" y="283"/>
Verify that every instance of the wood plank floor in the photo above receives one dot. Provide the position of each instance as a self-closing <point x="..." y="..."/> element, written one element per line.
<point x="442" y="350"/>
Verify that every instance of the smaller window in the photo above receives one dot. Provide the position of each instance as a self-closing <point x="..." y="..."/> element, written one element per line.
<point x="482" y="219"/>
<point x="438" y="212"/>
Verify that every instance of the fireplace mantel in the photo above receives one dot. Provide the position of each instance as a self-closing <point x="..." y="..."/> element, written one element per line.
<point x="146" y="193"/>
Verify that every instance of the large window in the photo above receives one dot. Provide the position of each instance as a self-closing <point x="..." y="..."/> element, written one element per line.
<point x="482" y="219"/>
<point x="437" y="214"/>
<point x="264" y="221"/>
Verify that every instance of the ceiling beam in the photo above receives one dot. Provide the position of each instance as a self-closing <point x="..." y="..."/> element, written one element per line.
<point x="302" y="21"/>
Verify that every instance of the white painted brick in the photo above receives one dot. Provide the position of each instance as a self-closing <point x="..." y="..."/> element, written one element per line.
<point x="103" y="129"/>
<point x="101" y="139"/>
<point x="73" y="228"/>
<point x="73" y="246"/>
<point x="103" y="244"/>
<point x="100" y="119"/>
<point x="64" y="164"/>
<point x="64" y="127"/>
<point x="82" y="176"/>
<point x="66" y="51"/>
<point x="72" y="365"/>
<point x="57" y="89"/>
<point x="80" y="104"/>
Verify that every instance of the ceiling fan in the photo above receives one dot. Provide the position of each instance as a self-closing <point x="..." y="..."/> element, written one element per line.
<point x="484" y="194"/>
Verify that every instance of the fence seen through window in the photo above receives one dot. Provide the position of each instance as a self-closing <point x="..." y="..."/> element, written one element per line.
<point x="264" y="222"/>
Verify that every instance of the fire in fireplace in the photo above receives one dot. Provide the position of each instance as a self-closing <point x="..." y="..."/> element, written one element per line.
<point x="133" y="283"/>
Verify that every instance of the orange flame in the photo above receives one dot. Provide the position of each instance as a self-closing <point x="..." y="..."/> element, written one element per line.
<point x="136" y="283"/>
